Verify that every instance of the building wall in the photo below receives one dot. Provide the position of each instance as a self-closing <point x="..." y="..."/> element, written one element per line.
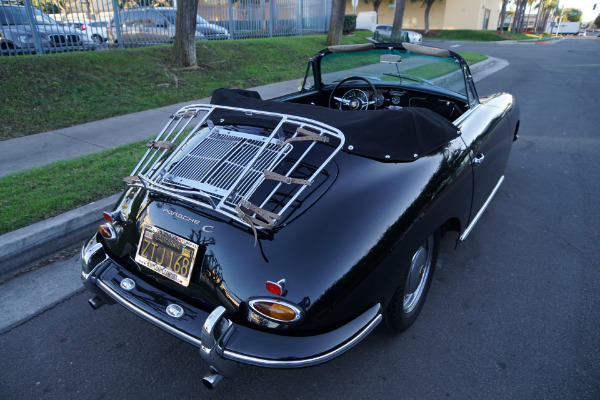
<point x="445" y="14"/>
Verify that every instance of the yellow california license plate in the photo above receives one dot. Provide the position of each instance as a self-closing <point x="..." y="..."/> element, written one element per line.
<point x="168" y="254"/>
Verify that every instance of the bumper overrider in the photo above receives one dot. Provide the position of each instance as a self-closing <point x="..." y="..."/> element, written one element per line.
<point x="222" y="343"/>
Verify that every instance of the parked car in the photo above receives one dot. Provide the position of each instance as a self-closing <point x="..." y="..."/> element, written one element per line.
<point x="279" y="233"/>
<point x="211" y="31"/>
<point x="383" y="32"/>
<point x="95" y="31"/>
<point x="98" y="31"/>
<point x="17" y="35"/>
<point x="157" y="24"/>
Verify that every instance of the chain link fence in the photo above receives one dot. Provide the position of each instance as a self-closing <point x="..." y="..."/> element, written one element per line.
<point x="49" y="26"/>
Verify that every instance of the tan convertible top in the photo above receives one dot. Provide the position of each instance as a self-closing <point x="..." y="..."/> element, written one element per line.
<point x="347" y="48"/>
<point x="426" y="51"/>
<point x="414" y="48"/>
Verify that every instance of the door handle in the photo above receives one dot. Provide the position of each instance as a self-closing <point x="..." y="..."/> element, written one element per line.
<point x="478" y="159"/>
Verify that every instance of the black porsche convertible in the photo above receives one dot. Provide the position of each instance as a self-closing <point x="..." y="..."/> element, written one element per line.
<point x="280" y="232"/>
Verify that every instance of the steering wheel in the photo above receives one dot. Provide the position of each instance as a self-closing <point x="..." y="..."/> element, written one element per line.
<point x="354" y="99"/>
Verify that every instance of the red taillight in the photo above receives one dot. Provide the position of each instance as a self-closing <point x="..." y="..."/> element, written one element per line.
<point x="107" y="216"/>
<point x="82" y="27"/>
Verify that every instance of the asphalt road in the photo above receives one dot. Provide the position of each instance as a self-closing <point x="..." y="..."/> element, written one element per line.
<point x="512" y="312"/>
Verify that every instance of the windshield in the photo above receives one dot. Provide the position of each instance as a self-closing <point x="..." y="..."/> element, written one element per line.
<point x="10" y="15"/>
<point x="416" y="69"/>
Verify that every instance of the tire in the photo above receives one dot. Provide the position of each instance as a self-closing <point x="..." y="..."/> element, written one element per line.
<point x="408" y="299"/>
<point x="97" y="39"/>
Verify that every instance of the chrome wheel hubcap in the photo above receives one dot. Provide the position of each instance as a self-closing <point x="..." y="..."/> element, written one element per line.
<point x="418" y="273"/>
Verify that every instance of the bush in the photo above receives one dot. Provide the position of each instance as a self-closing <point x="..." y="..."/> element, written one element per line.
<point x="349" y="23"/>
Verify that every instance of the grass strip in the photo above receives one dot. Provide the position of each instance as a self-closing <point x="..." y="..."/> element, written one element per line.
<point x="477" y="35"/>
<point x="40" y="193"/>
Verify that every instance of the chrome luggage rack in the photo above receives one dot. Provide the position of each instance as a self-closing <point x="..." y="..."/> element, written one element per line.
<point x="220" y="167"/>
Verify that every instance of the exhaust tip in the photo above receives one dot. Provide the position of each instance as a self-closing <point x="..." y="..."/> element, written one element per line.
<point x="212" y="379"/>
<point x="96" y="302"/>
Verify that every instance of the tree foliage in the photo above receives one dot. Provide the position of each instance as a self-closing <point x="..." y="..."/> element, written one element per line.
<point x="597" y="21"/>
<point x="572" y="14"/>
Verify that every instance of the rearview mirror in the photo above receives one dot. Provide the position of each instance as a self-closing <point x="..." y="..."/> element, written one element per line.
<point x="390" y="58"/>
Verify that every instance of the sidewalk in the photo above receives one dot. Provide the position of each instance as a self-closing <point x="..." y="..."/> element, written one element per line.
<point x="23" y="247"/>
<point x="44" y="148"/>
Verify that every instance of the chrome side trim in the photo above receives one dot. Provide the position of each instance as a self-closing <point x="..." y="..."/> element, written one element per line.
<point x="306" y="362"/>
<point x="480" y="213"/>
<point x="150" y="318"/>
<point x="458" y="122"/>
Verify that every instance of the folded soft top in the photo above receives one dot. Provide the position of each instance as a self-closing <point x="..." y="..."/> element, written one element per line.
<point x="386" y="135"/>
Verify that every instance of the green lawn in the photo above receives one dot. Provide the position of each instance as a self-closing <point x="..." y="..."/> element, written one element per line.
<point x="43" y="192"/>
<point x="476" y="35"/>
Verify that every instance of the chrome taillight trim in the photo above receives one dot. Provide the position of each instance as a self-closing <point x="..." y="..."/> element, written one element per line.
<point x="297" y="310"/>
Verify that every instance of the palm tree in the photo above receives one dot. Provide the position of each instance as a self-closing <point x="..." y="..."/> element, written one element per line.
<point x="503" y="15"/>
<point x="427" y="4"/>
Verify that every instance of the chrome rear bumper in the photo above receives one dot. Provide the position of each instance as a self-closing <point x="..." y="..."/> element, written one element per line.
<point x="222" y="343"/>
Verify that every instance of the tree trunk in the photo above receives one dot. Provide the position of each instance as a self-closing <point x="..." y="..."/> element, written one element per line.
<point x="537" y="17"/>
<point x="518" y="16"/>
<point x="397" y="24"/>
<point x="184" y="45"/>
<point x="336" y="23"/>
<point x="427" y="10"/>
<point x="503" y="16"/>
<point x="376" y="4"/>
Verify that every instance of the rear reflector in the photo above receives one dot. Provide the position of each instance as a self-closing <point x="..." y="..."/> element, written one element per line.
<point x="274" y="288"/>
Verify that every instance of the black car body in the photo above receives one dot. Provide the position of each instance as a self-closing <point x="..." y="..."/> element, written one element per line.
<point x="305" y="220"/>
<point x="18" y="35"/>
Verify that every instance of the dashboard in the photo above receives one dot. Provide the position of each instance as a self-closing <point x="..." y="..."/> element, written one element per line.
<point x="395" y="98"/>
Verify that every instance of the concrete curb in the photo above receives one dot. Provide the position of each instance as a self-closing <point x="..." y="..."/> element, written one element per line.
<point x="35" y="242"/>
